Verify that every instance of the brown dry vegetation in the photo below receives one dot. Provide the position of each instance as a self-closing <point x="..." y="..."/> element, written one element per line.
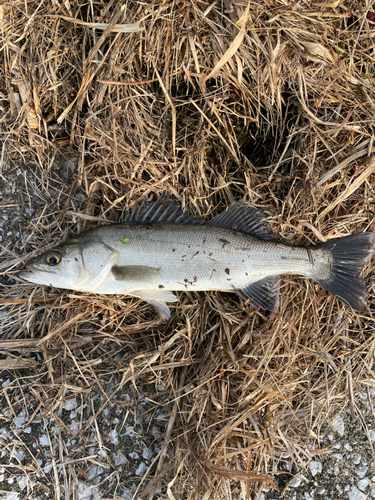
<point x="214" y="101"/>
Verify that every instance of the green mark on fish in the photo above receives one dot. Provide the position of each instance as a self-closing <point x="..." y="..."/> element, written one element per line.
<point x="125" y="240"/>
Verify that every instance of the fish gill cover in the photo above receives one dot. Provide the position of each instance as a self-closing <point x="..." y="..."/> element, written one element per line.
<point x="210" y="103"/>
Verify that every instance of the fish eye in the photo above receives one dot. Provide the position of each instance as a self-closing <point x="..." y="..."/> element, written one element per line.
<point x="53" y="258"/>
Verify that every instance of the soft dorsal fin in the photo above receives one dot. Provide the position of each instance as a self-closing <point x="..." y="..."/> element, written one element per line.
<point x="242" y="217"/>
<point x="263" y="293"/>
<point x="159" y="211"/>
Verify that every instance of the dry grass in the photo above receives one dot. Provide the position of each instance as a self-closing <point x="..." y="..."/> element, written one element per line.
<point x="213" y="101"/>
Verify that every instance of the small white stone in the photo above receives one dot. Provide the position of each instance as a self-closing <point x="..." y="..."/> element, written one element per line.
<point x="5" y="434"/>
<point x="86" y="492"/>
<point x="141" y="469"/>
<point x="348" y="447"/>
<point x="147" y="453"/>
<point x="295" y="483"/>
<point x="120" y="459"/>
<point x="373" y="493"/>
<point x="261" y="496"/>
<point x="338" y="456"/>
<point x="363" y="483"/>
<point x="47" y="467"/>
<point x="23" y="482"/>
<point x="357" y="460"/>
<point x="315" y="467"/>
<point x="114" y="436"/>
<point x="21" y="419"/>
<point x="347" y="487"/>
<point x="336" y="446"/>
<point x="308" y="496"/>
<point x="338" y="425"/>
<point x="355" y="494"/>
<point x="70" y="404"/>
<point x="44" y="440"/>
<point x="362" y="471"/>
<point x="94" y="472"/>
<point x="11" y="496"/>
<point x="19" y="455"/>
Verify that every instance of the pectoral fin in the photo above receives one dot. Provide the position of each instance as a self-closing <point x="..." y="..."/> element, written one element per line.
<point x="158" y="299"/>
<point x="137" y="273"/>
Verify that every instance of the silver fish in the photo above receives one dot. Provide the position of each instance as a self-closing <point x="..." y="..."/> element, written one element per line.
<point x="160" y="249"/>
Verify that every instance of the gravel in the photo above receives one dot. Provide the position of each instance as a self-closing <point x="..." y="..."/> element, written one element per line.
<point x="116" y="451"/>
<point x="345" y="467"/>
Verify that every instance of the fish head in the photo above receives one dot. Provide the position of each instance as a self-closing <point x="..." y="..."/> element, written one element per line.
<point x="74" y="265"/>
<point x="61" y="267"/>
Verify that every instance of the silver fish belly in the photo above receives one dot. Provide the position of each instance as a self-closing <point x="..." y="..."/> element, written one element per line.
<point x="160" y="249"/>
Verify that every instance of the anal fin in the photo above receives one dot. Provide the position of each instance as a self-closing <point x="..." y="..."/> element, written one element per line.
<point x="158" y="299"/>
<point x="263" y="293"/>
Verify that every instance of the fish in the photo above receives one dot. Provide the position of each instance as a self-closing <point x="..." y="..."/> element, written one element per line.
<point x="159" y="249"/>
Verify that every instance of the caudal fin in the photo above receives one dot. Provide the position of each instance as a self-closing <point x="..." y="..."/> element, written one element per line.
<point x="346" y="258"/>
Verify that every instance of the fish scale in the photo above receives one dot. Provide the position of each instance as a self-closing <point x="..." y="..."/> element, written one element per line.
<point x="160" y="249"/>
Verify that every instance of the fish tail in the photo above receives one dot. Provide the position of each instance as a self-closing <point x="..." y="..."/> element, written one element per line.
<point x="341" y="273"/>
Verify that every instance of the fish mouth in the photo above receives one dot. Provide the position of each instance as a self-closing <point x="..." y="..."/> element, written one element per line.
<point x="34" y="276"/>
<point x="28" y="276"/>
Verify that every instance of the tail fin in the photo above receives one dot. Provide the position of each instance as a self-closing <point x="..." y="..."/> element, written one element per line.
<point x="346" y="258"/>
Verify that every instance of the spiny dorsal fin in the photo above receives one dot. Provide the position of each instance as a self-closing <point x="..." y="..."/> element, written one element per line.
<point x="263" y="293"/>
<point x="159" y="211"/>
<point x="242" y="217"/>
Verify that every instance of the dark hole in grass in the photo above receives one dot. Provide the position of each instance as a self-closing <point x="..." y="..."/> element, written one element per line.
<point x="264" y="149"/>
